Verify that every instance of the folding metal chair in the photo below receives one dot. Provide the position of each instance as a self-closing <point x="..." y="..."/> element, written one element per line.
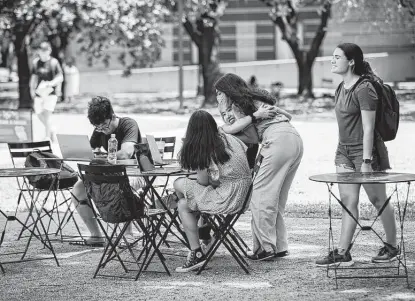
<point x="224" y="231"/>
<point x="103" y="184"/>
<point x="18" y="153"/>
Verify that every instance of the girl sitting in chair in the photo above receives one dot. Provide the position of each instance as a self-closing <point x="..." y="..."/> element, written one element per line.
<point x="222" y="181"/>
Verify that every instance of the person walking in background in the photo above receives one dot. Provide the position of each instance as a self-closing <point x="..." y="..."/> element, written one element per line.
<point x="360" y="148"/>
<point x="71" y="79"/>
<point x="45" y="85"/>
<point x="282" y="149"/>
<point x="253" y="83"/>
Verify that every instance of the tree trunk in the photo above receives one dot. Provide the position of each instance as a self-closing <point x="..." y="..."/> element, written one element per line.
<point x="206" y="39"/>
<point x="23" y="72"/>
<point x="305" y="76"/>
<point x="209" y="62"/>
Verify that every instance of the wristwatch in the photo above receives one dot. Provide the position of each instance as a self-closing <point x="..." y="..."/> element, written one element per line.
<point x="367" y="161"/>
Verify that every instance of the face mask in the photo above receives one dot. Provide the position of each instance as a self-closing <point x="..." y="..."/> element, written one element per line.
<point x="221" y="98"/>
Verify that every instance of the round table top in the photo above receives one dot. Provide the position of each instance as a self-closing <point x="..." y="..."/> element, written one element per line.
<point x="375" y="177"/>
<point x="27" y="171"/>
<point x="135" y="172"/>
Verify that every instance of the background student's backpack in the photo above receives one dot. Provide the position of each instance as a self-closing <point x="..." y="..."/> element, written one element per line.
<point x="67" y="177"/>
<point x="387" y="112"/>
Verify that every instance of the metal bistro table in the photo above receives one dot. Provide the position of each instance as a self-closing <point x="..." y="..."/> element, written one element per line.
<point x="370" y="178"/>
<point x="149" y="178"/>
<point x="39" y="233"/>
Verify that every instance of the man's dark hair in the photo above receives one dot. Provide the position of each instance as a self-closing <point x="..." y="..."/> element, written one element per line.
<point x="99" y="109"/>
<point x="203" y="143"/>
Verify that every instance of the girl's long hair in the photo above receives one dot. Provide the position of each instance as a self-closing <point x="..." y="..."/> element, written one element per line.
<point x="203" y="143"/>
<point x="240" y="94"/>
<point x="361" y="66"/>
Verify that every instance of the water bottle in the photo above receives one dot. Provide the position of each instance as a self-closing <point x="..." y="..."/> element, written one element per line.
<point x="112" y="149"/>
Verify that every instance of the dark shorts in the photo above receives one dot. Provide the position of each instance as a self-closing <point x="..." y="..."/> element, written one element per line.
<point x="351" y="156"/>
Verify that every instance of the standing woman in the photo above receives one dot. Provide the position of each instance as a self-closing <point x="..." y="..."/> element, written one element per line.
<point x="360" y="149"/>
<point x="282" y="149"/>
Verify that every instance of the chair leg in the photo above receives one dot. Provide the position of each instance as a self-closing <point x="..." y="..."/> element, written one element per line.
<point x="222" y="228"/>
<point x="151" y="238"/>
<point x="161" y="241"/>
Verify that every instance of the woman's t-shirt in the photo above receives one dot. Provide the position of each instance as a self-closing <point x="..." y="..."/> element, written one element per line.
<point x="348" y="106"/>
<point x="126" y="131"/>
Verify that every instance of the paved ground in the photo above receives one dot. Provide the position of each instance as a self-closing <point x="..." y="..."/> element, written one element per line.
<point x="291" y="278"/>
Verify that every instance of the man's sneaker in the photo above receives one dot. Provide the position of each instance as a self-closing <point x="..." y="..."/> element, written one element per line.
<point x="195" y="259"/>
<point x="336" y="259"/>
<point x="387" y="253"/>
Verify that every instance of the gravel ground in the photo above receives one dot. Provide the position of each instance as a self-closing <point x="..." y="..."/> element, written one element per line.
<point x="294" y="277"/>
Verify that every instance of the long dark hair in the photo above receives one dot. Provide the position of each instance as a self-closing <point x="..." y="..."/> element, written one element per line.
<point x="203" y="143"/>
<point x="240" y="94"/>
<point x="361" y="66"/>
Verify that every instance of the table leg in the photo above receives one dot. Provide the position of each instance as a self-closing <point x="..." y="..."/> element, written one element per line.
<point x="401" y="258"/>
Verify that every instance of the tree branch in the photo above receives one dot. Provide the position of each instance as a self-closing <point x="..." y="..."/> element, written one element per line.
<point x="194" y="35"/>
<point x="321" y="31"/>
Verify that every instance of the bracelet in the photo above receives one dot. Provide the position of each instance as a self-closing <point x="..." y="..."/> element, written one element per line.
<point x="254" y="120"/>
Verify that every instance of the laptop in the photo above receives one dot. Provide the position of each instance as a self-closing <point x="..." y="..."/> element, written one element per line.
<point x="75" y="147"/>
<point x="155" y="154"/>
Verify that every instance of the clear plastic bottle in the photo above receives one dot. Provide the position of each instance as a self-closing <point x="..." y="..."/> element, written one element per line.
<point x="112" y="149"/>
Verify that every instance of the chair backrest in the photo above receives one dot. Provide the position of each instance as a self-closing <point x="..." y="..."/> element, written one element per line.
<point x="255" y="170"/>
<point x="22" y="150"/>
<point x="169" y="146"/>
<point x="108" y="187"/>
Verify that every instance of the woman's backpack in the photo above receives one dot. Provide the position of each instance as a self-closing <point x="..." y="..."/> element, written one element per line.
<point x="67" y="177"/>
<point x="387" y="112"/>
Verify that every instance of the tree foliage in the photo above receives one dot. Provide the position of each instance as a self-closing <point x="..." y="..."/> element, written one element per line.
<point x="131" y="25"/>
<point x="134" y="27"/>
<point x="383" y="15"/>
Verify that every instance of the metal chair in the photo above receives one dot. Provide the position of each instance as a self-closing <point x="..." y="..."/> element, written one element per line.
<point x="113" y="201"/>
<point x="226" y="234"/>
<point x="18" y="153"/>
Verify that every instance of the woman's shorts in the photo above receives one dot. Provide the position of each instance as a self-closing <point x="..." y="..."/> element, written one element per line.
<point x="45" y="103"/>
<point x="351" y="157"/>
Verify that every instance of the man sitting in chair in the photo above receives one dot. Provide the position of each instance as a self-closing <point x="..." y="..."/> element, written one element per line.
<point x="105" y="122"/>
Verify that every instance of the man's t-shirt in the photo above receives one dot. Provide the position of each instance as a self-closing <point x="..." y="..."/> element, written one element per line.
<point x="47" y="71"/>
<point x="127" y="131"/>
<point x="348" y="106"/>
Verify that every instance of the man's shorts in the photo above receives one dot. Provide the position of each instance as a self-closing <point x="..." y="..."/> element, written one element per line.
<point x="45" y="103"/>
<point x="351" y="157"/>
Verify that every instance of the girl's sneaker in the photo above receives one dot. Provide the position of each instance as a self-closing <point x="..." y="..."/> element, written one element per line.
<point x="195" y="259"/>
<point x="387" y="253"/>
<point x="336" y="259"/>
